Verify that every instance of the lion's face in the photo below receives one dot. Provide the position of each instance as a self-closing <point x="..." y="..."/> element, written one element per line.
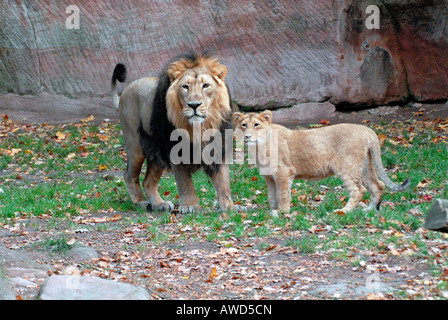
<point x="197" y="93"/>
<point x="253" y="126"/>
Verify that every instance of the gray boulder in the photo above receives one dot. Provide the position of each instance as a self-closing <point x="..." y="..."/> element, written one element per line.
<point x="6" y="293"/>
<point x="63" y="287"/>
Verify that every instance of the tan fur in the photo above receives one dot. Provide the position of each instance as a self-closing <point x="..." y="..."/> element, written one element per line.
<point x="214" y="99"/>
<point x="349" y="151"/>
<point x="135" y="108"/>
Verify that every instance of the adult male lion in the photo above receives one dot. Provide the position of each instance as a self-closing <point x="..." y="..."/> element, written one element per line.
<point x="191" y="90"/>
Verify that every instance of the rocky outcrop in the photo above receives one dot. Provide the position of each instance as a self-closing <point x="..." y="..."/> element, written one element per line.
<point x="279" y="53"/>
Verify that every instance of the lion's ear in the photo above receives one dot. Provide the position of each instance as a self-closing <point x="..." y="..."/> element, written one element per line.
<point x="237" y="116"/>
<point x="218" y="70"/>
<point x="266" y="115"/>
<point x="221" y="72"/>
<point x="176" y="70"/>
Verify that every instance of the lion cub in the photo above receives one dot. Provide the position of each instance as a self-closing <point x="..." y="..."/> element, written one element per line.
<point x="349" y="151"/>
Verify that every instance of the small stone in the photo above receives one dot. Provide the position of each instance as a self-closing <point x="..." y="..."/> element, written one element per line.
<point x="83" y="253"/>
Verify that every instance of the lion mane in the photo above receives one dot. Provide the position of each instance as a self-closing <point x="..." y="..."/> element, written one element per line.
<point x="167" y="110"/>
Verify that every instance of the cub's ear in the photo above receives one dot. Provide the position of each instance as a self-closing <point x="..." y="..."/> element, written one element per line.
<point x="237" y="116"/>
<point x="266" y="116"/>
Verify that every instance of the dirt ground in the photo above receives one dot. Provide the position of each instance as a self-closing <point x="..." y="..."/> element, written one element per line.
<point x="235" y="269"/>
<point x="252" y="268"/>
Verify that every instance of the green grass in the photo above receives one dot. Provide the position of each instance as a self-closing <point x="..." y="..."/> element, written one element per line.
<point x="74" y="169"/>
<point x="56" y="245"/>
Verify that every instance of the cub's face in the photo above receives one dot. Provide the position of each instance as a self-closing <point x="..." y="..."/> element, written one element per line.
<point x="252" y="126"/>
<point x="196" y="92"/>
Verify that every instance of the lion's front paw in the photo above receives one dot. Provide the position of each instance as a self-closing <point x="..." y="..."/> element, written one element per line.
<point x="164" y="206"/>
<point x="187" y="209"/>
<point x="144" y="205"/>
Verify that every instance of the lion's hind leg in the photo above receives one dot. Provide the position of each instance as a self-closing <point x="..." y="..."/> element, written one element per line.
<point x="150" y="184"/>
<point x="374" y="186"/>
<point x="272" y="192"/>
<point x="132" y="178"/>
<point x="353" y="183"/>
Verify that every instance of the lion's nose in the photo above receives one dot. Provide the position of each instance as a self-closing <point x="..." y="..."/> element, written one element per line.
<point x="194" y="105"/>
<point x="248" y="136"/>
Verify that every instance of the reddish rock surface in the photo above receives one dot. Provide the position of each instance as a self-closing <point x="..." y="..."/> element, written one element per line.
<point x="279" y="53"/>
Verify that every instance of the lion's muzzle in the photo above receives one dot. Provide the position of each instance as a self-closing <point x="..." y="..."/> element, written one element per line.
<point x="194" y="113"/>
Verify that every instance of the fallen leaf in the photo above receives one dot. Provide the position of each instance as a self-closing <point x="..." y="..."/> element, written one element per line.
<point x="212" y="275"/>
<point x="88" y="119"/>
<point x="70" y="156"/>
<point x="13" y="151"/>
<point x="60" y="135"/>
<point x="382" y="137"/>
<point x="423" y="183"/>
<point x="398" y="234"/>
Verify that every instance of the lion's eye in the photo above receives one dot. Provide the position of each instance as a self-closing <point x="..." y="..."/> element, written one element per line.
<point x="185" y="86"/>
<point x="256" y="124"/>
<point x="244" y="125"/>
<point x="205" y="85"/>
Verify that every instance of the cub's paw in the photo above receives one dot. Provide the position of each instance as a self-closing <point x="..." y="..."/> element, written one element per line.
<point x="164" y="206"/>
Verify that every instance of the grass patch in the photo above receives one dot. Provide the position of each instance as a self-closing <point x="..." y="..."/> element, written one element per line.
<point x="56" y="245"/>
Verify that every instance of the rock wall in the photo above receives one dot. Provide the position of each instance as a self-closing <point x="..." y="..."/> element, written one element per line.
<point x="278" y="53"/>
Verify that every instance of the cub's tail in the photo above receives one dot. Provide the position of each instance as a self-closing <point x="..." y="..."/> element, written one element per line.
<point x="375" y="152"/>
<point x="120" y="75"/>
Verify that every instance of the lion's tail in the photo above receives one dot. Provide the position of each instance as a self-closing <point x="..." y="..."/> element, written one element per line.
<point x="120" y="75"/>
<point x="375" y="152"/>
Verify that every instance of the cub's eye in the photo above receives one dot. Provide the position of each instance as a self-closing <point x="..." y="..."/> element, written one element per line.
<point x="256" y="124"/>
<point x="205" y="85"/>
<point x="244" y="125"/>
<point x="185" y="86"/>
